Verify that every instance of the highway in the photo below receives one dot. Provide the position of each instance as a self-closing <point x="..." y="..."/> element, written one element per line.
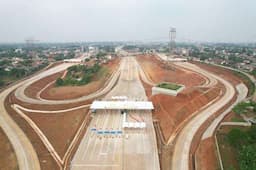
<point x="181" y="152"/>
<point x="26" y="155"/>
<point x="131" y="148"/>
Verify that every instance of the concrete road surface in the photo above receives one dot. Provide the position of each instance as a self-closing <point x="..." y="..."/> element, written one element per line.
<point x="19" y="93"/>
<point x="25" y="153"/>
<point x="242" y="93"/>
<point x="133" y="149"/>
<point x="182" y="146"/>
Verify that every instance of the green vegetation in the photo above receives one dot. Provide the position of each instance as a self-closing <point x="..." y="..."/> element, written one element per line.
<point x="78" y="75"/>
<point x="247" y="81"/>
<point x="16" y="73"/>
<point x="170" y="86"/>
<point x="238" y="147"/>
<point x="253" y="72"/>
<point x="237" y="119"/>
<point x="1" y="82"/>
<point x="100" y="54"/>
<point x="244" y="143"/>
<point x="245" y="107"/>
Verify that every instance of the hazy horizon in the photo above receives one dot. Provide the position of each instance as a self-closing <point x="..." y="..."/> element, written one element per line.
<point x="127" y="20"/>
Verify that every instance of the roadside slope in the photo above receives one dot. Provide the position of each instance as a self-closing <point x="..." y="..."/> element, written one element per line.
<point x="185" y="138"/>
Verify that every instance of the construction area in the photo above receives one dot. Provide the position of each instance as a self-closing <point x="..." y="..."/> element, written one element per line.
<point x="109" y="143"/>
<point x="115" y="121"/>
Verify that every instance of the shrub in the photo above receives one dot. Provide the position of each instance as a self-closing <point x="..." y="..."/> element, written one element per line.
<point x="59" y="82"/>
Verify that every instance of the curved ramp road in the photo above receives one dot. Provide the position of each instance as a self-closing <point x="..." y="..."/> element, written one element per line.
<point x="242" y="93"/>
<point x="19" y="93"/>
<point x="51" y="111"/>
<point x="211" y="80"/>
<point x="25" y="153"/>
<point x="182" y="146"/>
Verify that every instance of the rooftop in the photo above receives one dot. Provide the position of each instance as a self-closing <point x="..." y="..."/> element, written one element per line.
<point x="129" y="105"/>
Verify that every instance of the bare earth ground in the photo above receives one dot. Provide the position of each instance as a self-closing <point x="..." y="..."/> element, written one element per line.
<point x="169" y="110"/>
<point x="8" y="159"/>
<point x="233" y="117"/>
<point x="71" y="92"/>
<point x="157" y="72"/>
<point x="206" y="153"/>
<point x="227" y="74"/>
<point x="206" y="149"/>
<point x="59" y="128"/>
<point x="172" y="111"/>
<point x="45" y="159"/>
<point x="34" y="88"/>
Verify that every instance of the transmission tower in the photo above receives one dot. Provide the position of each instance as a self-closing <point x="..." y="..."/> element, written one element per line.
<point x="172" y="37"/>
<point x="30" y="42"/>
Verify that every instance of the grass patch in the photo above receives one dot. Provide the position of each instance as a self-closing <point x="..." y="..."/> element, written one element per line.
<point x="245" y="108"/>
<point x="237" y="119"/>
<point x="238" y="147"/>
<point x="170" y="86"/>
<point x="103" y="72"/>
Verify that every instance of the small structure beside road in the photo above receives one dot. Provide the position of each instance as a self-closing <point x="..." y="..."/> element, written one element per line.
<point x="167" y="88"/>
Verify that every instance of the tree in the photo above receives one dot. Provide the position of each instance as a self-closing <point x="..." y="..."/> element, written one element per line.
<point x="247" y="157"/>
<point x="59" y="82"/>
<point x="237" y="138"/>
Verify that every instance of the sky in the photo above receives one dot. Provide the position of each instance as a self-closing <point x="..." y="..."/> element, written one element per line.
<point x="127" y="20"/>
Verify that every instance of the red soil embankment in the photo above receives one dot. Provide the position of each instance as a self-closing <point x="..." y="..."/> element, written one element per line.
<point x="207" y="154"/>
<point x="158" y="72"/>
<point x="34" y="88"/>
<point x="222" y="72"/>
<point x="59" y="128"/>
<point x="172" y="111"/>
<point x="45" y="159"/>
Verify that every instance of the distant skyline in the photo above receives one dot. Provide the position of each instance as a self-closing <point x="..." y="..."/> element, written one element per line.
<point x="127" y="20"/>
